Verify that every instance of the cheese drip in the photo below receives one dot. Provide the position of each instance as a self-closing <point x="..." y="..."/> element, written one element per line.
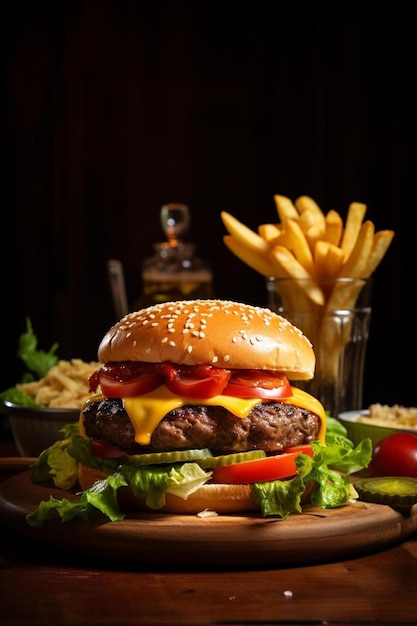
<point x="147" y="411"/>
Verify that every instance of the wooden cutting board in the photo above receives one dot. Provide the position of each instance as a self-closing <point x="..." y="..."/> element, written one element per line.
<point x="223" y="541"/>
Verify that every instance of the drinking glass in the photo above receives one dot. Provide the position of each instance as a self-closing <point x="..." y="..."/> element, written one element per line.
<point x="335" y="315"/>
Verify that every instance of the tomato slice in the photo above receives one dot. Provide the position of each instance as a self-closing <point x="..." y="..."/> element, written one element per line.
<point x="105" y="450"/>
<point x="261" y="470"/>
<point x="128" y="378"/>
<point x="304" y="448"/>
<point x="143" y="383"/>
<point x="258" y="384"/>
<point x="198" y="381"/>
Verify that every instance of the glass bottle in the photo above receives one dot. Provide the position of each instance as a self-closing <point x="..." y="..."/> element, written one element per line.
<point x="175" y="272"/>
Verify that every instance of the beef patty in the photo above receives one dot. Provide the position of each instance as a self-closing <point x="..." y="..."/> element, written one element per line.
<point x="271" y="426"/>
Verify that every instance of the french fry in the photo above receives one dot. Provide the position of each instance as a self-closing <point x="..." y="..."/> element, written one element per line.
<point x="333" y="227"/>
<point x="285" y="208"/>
<point x="382" y="241"/>
<point x="321" y="249"/>
<point x="256" y="261"/>
<point x="299" y="246"/>
<point x="245" y="235"/>
<point x="269" y="232"/>
<point x="307" y="220"/>
<point x="314" y="233"/>
<point x="356" y="213"/>
<point x="357" y="261"/>
<point x="333" y="262"/>
<point x="305" y="203"/>
<point x="294" y="269"/>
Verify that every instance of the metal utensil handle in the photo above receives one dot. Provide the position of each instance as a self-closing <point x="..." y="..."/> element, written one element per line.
<point x="118" y="289"/>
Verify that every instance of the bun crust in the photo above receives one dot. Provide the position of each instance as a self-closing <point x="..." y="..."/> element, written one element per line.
<point x="217" y="332"/>
<point x="218" y="498"/>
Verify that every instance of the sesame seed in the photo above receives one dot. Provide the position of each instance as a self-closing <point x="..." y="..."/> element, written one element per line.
<point x="172" y="343"/>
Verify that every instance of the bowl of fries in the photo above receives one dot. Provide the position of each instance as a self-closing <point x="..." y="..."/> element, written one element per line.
<point x="51" y="403"/>
<point x="36" y="428"/>
<point x="378" y="421"/>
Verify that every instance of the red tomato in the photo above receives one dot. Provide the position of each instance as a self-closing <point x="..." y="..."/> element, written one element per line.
<point x="105" y="450"/>
<point x="132" y="387"/>
<point x="258" y="384"/>
<point x="260" y="470"/>
<point x="395" y="455"/>
<point x="198" y="381"/>
<point x="304" y="448"/>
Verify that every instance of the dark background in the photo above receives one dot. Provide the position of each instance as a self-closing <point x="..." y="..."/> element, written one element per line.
<point x="112" y="109"/>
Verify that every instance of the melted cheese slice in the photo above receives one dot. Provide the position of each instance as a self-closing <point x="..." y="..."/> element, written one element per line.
<point x="147" y="411"/>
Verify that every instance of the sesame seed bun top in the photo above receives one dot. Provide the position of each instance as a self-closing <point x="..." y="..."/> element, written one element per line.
<point x="218" y="332"/>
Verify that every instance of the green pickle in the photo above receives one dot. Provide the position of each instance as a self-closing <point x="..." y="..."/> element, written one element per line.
<point x="399" y="492"/>
<point x="204" y="457"/>
<point x="159" y="458"/>
<point x="230" y="459"/>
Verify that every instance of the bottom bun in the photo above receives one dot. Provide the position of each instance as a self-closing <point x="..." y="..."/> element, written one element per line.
<point x="218" y="498"/>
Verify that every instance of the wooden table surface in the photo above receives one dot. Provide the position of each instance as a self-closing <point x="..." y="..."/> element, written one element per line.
<point x="40" y="589"/>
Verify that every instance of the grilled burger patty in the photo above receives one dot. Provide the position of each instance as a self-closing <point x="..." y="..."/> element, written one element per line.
<point x="271" y="426"/>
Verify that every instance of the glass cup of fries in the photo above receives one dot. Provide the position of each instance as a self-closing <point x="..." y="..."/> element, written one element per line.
<point x="335" y="315"/>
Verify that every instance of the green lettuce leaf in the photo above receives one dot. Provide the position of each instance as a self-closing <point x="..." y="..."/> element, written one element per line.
<point x="38" y="363"/>
<point x="17" y="396"/>
<point x="329" y="469"/>
<point x="101" y="496"/>
<point x="279" y="497"/>
<point x="56" y="464"/>
<point x="150" y="484"/>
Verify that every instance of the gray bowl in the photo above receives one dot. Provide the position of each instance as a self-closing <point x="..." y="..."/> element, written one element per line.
<point x="35" y="429"/>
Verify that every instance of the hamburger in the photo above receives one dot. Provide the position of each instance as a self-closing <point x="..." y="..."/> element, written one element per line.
<point x="202" y="388"/>
<point x="193" y="411"/>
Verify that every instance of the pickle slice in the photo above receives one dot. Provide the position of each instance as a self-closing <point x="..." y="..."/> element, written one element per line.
<point x="396" y="491"/>
<point x="175" y="456"/>
<point x="231" y="459"/>
<point x="204" y="457"/>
